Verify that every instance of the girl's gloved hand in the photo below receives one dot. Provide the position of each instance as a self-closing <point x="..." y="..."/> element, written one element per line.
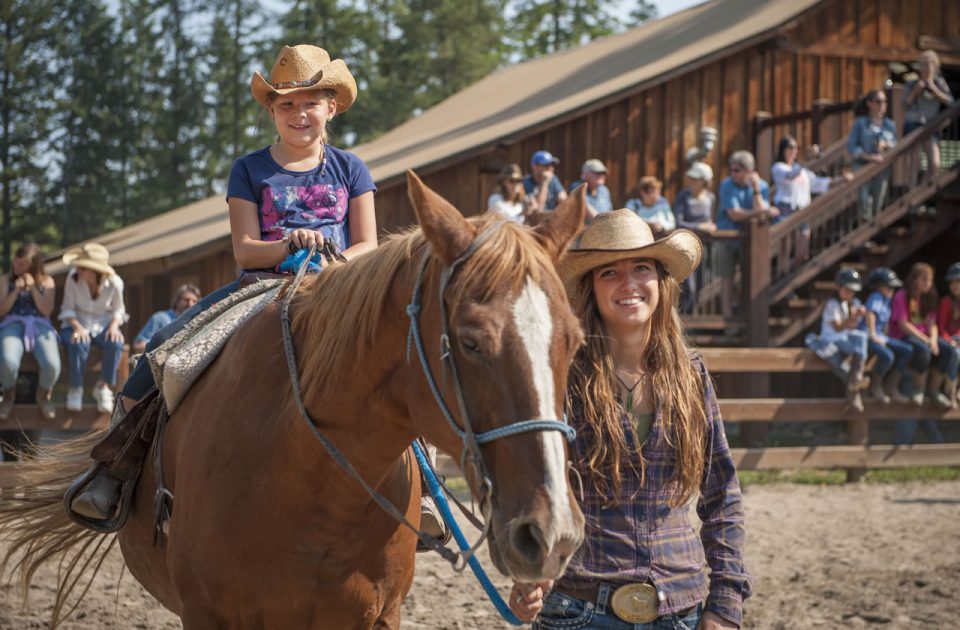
<point x="292" y="262"/>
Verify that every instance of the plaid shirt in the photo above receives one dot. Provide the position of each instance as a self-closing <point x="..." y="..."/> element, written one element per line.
<point x="644" y="539"/>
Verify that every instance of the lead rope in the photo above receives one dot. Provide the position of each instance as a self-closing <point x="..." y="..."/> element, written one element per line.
<point x="434" y="485"/>
<point x="454" y="558"/>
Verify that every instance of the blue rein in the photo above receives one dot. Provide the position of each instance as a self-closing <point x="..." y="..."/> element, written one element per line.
<point x="434" y="485"/>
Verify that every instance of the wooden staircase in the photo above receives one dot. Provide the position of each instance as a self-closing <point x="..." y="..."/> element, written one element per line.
<point x="779" y="299"/>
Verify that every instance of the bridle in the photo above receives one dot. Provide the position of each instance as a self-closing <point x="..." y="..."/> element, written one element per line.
<point x="471" y="440"/>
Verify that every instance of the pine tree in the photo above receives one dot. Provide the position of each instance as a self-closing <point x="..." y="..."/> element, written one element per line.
<point x="178" y="180"/>
<point x="141" y="102"/>
<point x="643" y="11"/>
<point x="235" y="45"/>
<point x="546" y="26"/>
<point x="87" y="193"/>
<point x="27" y="83"/>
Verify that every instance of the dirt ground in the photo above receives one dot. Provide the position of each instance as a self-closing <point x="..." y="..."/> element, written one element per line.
<point x="852" y="556"/>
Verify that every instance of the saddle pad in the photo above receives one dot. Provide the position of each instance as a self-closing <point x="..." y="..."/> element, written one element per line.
<point x="178" y="363"/>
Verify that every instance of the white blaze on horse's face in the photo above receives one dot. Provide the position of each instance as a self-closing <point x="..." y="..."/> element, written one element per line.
<point x="531" y="315"/>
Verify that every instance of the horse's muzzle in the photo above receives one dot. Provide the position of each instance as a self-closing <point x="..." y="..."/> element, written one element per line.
<point x="536" y="547"/>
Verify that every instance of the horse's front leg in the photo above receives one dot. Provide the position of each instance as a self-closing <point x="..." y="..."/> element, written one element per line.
<point x="390" y="617"/>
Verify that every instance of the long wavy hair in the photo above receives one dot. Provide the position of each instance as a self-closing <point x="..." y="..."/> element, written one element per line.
<point x="678" y="395"/>
<point x="926" y="301"/>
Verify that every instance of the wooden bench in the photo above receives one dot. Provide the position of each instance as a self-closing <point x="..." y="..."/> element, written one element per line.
<point x="25" y="415"/>
<point x="853" y="457"/>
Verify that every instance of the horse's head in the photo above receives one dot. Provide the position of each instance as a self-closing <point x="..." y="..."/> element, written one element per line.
<point x="511" y="336"/>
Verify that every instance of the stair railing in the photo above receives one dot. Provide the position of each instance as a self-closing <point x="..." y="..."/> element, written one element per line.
<point x="844" y="218"/>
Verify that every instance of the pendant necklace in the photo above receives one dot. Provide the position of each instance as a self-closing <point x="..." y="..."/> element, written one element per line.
<point x="630" y="390"/>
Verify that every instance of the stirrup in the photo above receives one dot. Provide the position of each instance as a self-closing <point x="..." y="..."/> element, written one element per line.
<point x="434" y="513"/>
<point x="100" y="525"/>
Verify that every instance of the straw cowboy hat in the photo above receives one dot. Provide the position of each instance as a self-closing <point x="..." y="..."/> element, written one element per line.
<point x="622" y="234"/>
<point x="306" y="67"/>
<point x="92" y="256"/>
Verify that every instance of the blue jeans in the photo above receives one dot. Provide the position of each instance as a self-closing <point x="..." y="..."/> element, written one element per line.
<point x="78" y="353"/>
<point x="895" y="353"/>
<point x="946" y="361"/>
<point x="141" y="379"/>
<point x="45" y="350"/>
<point x="905" y="430"/>
<point x="563" y="612"/>
<point x="852" y="342"/>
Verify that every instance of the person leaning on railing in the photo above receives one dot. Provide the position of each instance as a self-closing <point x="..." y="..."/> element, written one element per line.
<point x="923" y="98"/>
<point x="742" y="196"/>
<point x="872" y="135"/>
<point x="794" y="187"/>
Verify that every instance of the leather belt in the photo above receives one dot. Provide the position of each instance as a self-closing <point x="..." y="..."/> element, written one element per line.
<point x="633" y="603"/>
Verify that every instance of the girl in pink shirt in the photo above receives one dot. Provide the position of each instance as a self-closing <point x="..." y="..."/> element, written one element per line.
<point x="914" y="319"/>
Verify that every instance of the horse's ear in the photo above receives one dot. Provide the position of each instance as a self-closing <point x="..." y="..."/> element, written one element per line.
<point x="445" y="228"/>
<point x="556" y="232"/>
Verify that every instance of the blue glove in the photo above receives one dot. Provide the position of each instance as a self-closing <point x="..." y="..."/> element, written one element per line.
<point x="292" y="262"/>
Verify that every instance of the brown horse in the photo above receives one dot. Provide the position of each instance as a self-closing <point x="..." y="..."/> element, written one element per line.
<point x="266" y="530"/>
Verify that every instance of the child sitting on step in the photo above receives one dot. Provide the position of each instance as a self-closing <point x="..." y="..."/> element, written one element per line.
<point x="842" y="315"/>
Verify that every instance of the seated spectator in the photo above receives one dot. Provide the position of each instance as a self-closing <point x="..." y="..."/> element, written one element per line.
<point x="913" y="319"/>
<point x="948" y="322"/>
<point x="893" y="355"/>
<point x="186" y="296"/>
<point x="693" y="209"/>
<point x="509" y="197"/>
<point x="743" y="195"/>
<point x="650" y="206"/>
<point x="543" y="188"/>
<point x="27" y="298"/>
<point x="594" y="174"/>
<point x="871" y="136"/>
<point x="923" y="98"/>
<point x="839" y="326"/>
<point x="795" y="186"/>
<point x="91" y="315"/>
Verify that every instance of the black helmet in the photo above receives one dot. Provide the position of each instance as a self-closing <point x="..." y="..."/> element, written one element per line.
<point x="883" y="277"/>
<point x="953" y="272"/>
<point x="849" y="278"/>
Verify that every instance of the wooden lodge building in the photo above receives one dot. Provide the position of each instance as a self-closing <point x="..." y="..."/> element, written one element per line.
<point x="751" y="69"/>
<point x="636" y="100"/>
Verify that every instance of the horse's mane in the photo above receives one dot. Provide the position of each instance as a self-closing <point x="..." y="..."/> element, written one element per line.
<point x="341" y="310"/>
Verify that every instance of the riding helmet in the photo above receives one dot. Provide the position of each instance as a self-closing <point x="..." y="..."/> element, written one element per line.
<point x="849" y="278"/>
<point x="953" y="272"/>
<point x="884" y="277"/>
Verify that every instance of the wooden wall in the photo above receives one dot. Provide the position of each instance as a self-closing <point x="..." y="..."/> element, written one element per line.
<point x="836" y="51"/>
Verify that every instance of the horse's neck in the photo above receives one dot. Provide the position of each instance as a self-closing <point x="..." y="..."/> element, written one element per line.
<point x="364" y="410"/>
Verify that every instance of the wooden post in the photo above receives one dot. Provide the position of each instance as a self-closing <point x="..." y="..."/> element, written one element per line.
<point x="763" y="141"/>
<point x="756" y="307"/>
<point x="821" y="134"/>
<point x="904" y="170"/>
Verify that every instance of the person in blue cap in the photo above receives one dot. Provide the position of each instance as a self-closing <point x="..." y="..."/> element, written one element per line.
<point x="543" y="188"/>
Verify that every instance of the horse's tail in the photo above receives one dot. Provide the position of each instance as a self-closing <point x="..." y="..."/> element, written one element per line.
<point x="36" y="528"/>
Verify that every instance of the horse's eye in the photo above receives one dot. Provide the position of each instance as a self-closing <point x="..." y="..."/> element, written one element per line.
<point x="470" y="344"/>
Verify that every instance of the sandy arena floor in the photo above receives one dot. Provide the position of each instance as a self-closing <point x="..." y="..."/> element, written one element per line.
<point x="856" y="556"/>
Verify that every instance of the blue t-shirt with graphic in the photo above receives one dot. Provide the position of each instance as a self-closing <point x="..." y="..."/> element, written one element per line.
<point x="317" y="199"/>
